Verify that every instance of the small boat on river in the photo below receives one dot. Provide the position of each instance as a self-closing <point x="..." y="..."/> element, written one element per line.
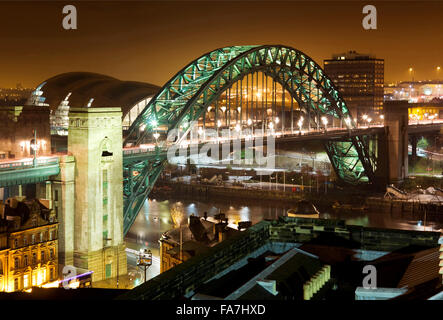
<point x="304" y="209"/>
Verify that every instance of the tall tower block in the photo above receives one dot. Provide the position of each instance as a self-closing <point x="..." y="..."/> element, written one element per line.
<point x="95" y="141"/>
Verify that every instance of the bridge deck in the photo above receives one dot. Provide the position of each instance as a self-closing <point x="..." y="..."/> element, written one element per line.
<point x="23" y="171"/>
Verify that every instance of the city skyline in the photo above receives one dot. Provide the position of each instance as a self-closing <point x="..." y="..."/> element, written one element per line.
<point x="149" y="41"/>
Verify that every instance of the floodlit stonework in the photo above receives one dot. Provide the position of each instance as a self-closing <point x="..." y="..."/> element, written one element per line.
<point x="95" y="140"/>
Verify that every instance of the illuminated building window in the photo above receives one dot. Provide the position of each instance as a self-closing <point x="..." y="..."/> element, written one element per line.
<point x="41" y="236"/>
<point x="16" y="284"/>
<point x="16" y="263"/>
<point x="39" y="277"/>
<point x="43" y="256"/>
<point x="25" y="260"/>
<point x="51" y="274"/>
<point x="15" y="243"/>
<point x="33" y="239"/>
<point x="25" y="281"/>
<point x="25" y="240"/>
<point x="34" y="258"/>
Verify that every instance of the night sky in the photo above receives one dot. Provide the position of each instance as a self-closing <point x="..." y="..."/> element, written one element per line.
<point x="151" y="40"/>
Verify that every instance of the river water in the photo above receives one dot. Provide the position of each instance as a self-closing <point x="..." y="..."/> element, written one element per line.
<point x="154" y="218"/>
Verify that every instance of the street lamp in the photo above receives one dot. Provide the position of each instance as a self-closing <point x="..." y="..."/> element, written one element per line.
<point x="364" y="117"/>
<point x="34" y="147"/>
<point x="432" y="119"/>
<point x="271" y="125"/>
<point x="369" y="121"/>
<point x="325" y="122"/>
<point x="144" y="260"/>
<point x="300" y="124"/>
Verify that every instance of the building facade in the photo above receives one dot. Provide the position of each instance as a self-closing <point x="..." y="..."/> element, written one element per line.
<point x="28" y="246"/>
<point x="415" y="91"/>
<point x="17" y="131"/>
<point x="360" y="80"/>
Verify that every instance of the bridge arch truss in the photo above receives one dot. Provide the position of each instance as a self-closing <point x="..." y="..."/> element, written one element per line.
<point x="192" y="96"/>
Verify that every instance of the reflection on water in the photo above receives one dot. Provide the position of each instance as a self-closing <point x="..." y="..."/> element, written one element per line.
<point x="155" y="218"/>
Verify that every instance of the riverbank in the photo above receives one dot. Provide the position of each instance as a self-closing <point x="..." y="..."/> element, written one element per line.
<point x="347" y="200"/>
<point x="199" y="191"/>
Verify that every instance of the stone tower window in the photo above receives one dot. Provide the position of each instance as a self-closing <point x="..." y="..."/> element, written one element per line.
<point x="106" y="147"/>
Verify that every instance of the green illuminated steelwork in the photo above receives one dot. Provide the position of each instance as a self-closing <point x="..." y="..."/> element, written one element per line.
<point x="28" y="175"/>
<point x="188" y="94"/>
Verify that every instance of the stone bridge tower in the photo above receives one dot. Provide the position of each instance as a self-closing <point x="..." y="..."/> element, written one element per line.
<point x="95" y="142"/>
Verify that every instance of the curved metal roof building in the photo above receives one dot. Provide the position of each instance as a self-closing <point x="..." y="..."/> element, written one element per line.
<point x="86" y="89"/>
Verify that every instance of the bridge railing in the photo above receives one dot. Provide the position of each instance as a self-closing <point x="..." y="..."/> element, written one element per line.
<point x="257" y="133"/>
<point x="27" y="163"/>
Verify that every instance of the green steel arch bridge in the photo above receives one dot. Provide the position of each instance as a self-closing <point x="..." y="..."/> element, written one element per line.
<point x="268" y="87"/>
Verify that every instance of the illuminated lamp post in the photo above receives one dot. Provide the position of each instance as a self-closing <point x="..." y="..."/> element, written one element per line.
<point x="432" y="119"/>
<point x="144" y="260"/>
<point x="324" y="120"/>
<point x="249" y="122"/>
<point x="271" y="126"/>
<point x="218" y="127"/>
<point x="300" y="125"/>
<point x="34" y="147"/>
<point x="364" y="117"/>
<point x="156" y="135"/>
<point x="348" y="123"/>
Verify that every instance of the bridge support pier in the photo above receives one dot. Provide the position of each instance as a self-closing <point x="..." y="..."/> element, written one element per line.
<point x="63" y="189"/>
<point x="396" y="121"/>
